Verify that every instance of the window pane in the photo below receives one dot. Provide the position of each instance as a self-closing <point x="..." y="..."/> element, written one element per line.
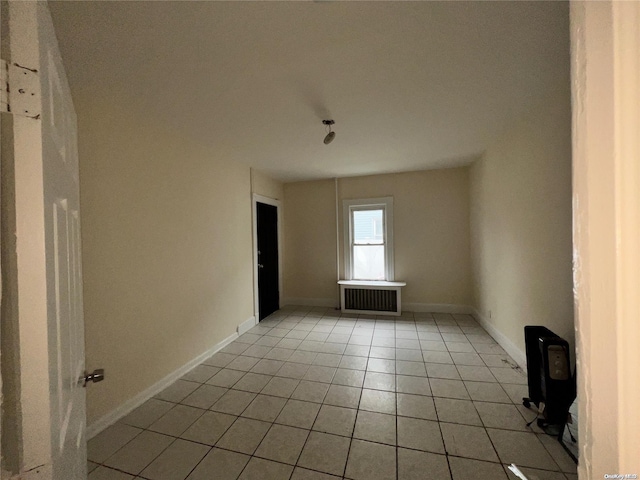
<point x="368" y="227"/>
<point x="368" y="262"/>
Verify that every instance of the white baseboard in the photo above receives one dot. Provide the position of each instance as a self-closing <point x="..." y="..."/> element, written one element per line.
<point x="437" y="308"/>
<point x="518" y="355"/>
<point x="247" y="325"/>
<point x="311" y="302"/>
<point x="127" y="407"/>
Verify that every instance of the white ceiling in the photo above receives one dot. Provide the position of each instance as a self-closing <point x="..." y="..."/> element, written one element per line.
<point x="411" y="85"/>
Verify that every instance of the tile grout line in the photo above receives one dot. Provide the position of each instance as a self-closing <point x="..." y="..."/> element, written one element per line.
<point x="397" y="435"/>
<point x="370" y="326"/>
<point x="343" y="436"/>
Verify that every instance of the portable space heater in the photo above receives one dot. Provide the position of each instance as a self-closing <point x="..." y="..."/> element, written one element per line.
<point x="551" y="383"/>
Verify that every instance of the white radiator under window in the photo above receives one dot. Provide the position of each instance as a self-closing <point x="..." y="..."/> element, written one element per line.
<point x="373" y="297"/>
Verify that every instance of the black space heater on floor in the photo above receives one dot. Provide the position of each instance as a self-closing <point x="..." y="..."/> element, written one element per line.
<point x="551" y="383"/>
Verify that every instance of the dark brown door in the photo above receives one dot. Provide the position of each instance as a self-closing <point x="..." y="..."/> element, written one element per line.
<point x="268" y="288"/>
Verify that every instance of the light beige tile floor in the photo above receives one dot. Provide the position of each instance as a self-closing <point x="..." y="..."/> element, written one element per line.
<point x="312" y="395"/>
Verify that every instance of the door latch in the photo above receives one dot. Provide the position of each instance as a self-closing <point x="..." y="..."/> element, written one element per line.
<point x="95" y="376"/>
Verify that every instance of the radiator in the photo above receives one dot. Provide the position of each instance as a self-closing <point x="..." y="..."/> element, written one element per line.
<point x="370" y="297"/>
<point x="373" y="300"/>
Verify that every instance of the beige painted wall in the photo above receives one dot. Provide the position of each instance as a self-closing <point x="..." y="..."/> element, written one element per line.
<point x="310" y="242"/>
<point x="263" y="184"/>
<point x="431" y="234"/>
<point x="521" y="224"/>
<point x="166" y="231"/>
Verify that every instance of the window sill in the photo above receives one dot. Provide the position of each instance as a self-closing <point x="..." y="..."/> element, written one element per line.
<point x="371" y="283"/>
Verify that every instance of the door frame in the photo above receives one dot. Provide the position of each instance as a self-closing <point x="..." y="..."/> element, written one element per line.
<point x="36" y="443"/>
<point x="605" y="37"/>
<point x="255" y="199"/>
<point x="31" y="348"/>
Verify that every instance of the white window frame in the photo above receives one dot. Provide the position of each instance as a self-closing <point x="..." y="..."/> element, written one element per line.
<point x="348" y="206"/>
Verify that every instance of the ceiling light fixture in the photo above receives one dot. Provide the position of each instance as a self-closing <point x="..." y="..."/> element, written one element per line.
<point x="330" y="135"/>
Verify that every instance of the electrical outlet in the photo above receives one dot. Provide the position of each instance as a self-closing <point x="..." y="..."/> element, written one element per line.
<point x="490" y="313"/>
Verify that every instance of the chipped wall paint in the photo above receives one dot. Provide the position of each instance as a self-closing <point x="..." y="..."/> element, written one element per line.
<point x="605" y="39"/>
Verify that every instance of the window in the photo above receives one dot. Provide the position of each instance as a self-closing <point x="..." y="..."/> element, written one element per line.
<point x="368" y="237"/>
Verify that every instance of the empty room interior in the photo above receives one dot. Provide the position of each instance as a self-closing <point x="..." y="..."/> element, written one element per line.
<point x="418" y="148"/>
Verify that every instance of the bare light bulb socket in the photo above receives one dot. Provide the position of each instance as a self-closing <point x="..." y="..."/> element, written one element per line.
<point x="331" y="135"/>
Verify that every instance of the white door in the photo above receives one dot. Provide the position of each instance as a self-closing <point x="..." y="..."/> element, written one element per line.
<point x="48" y="248"/>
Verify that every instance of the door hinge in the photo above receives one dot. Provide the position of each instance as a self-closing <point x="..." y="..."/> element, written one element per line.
<point x="19" y="90"/>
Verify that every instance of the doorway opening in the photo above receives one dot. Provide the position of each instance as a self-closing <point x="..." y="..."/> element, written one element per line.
<point x="267" y="255"/>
